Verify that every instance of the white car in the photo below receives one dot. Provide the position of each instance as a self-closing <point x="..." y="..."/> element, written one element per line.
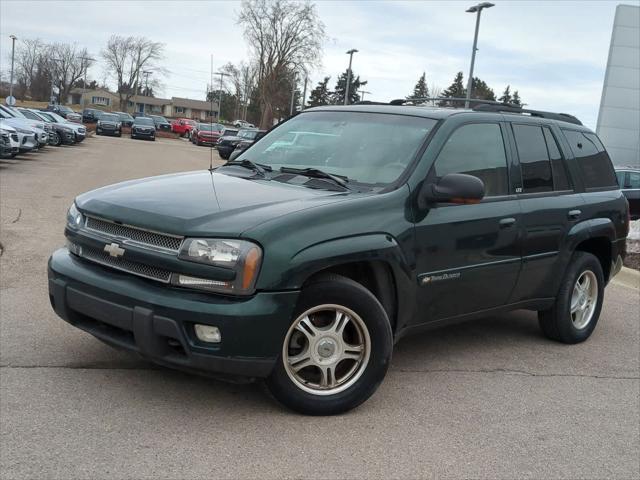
<point x="12" y="138"/>
<point x="26" y="138"/>
<point x="25" y="126"/>
<point x="243" y="124"/>
<point x="39" y="126"/>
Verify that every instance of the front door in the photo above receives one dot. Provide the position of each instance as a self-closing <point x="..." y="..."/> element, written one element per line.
<point x="468" y="256"/>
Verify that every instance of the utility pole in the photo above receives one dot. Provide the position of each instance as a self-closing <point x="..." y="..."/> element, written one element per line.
<point x="362" y="92"/>
<point x="293" y="94"/>
<point x="304" y="92"/>
<point x="475" y="9"/>
<point x="85" y="60"/>
<point x="13" y="52"/>
<point x="346" y="90"/>
<point x="222" y="75"/>
<point x="146" y="85"/>
<point x="53" y="79"/>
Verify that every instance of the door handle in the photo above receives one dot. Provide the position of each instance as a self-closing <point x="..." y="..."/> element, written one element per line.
<point x="574" y="214"/>
<point x="507" y="222"/>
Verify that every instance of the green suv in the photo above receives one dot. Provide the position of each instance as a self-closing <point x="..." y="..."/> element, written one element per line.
<point x="340" y="231"/>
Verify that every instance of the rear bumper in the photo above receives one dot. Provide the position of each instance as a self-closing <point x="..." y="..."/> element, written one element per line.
<point x="156" y="321"/>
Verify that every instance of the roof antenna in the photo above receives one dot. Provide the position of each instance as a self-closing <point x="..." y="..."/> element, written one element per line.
<point x="211" y="116"/>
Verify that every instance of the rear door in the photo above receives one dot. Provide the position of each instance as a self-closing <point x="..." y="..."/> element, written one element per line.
<point x="468" y="256"/>
<point x="550" y="207"/>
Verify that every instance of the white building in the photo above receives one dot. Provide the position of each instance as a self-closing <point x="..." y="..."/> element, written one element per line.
<point x="619" y="116"/>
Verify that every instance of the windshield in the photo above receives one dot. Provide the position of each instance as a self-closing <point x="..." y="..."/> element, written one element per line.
<point x="159" y="119"/>
<point x="229" y="133"/>
<point x="208" y="127"/>
<point x="124" y="116"/>
<point x="109" y="117"/>
<point x="56" y="118"/>
<point x="247" y="134"/>
<point x="369" y="148"/>
<point x="62" y="108"/>
<point x="143" y="121"/>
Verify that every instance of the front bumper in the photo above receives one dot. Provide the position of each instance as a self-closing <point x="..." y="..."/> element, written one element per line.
<point x="139" y="134"/>
<point x="156" y="321"/>
<point x="226" y="149"/>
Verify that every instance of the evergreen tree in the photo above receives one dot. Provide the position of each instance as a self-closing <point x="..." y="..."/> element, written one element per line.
<point x="355" y="85"/>
<point x="506" y="95"/>
<point x="516" y="98"/>
<point x="481" y="90"/>
<point x="321" y="94"/>
<point x="420" y="90"/>
<point x="455" y="90"/>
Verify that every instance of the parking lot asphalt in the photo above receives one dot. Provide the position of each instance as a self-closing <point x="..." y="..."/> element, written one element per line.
<point x="487" y="399"/>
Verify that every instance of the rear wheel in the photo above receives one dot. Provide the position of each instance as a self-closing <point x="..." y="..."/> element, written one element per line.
<point x="336" y="351"/>
<point x="575" y="313"/>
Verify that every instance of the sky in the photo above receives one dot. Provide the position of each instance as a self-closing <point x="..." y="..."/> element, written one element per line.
<point x="553" y="52"/>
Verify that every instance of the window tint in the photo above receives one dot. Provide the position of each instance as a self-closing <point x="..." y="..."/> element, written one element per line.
<point x="593" y="160"/>
<point x="534" y="159"/>
<point x="633" y="180"/>
<point x="558" y="167"/>
<point x="620" y="175"/>
<point x="476" y="149"/>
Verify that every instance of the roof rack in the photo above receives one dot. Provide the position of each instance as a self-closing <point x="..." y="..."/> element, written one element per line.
<point x="481" y="105"/>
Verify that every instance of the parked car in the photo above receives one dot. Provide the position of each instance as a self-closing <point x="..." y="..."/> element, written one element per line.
<point x="243" y="124"/>
<point x="109" y="124"/>
<point x="79" y="130"/>
<point x="143" y="127"/>
<point x="183" y="126"/>
<point x="65" y="112"/>
<point x="14" y="117"/>
<point x="206" y="133"/>
<point x="89" y="115"/>
<point x="160" y="123"/>
<point x="629" y="182"/>
<point x="246" y="143"/>
<point x="125" y="119"/>
<point x="10" y="136"/>
<point x="52" y="135"/>
<point x="59" y="133"/>
<point x="227" y="144"/>
<point x="304" y="267"/>
<point x="27" y="141"/>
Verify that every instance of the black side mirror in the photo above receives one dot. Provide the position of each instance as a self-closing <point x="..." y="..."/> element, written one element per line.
<point x="452" y="188"/>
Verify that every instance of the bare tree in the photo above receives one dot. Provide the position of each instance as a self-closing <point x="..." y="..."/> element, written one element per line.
<point x="28" y="59"/>
<point x="68" y="65"/>
<point x="126" y="58"/>
<point x="283" y="36"/>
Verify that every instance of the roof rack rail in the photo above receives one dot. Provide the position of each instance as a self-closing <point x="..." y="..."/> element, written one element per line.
<point x="421" y="100"/>
<point x="564" y="117"/>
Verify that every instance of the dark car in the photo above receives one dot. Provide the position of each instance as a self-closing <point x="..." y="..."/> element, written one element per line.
<point x="64" y="133"/>
<point x="90" y="115"/>
<point x="227" y="143"/>
<point x="246" y="143"/>
<point x="65" y="112"/>
<point x="342" y="230"/>
<point x="108" y="124"/>
<point x="629" y="182"/>
<point x="161" y="123"/>
<point x="143" y="127"/>
<point x="125" y="119"/>
<point x="206" y="133"/>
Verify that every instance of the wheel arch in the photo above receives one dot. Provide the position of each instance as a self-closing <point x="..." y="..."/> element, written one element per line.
<point x="595" y="236"/>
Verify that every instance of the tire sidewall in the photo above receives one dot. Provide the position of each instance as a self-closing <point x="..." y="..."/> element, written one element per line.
<point x="356" y="298"/>
<point x="581" y="263"/>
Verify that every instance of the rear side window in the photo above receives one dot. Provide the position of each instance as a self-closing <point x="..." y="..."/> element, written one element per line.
<point x="476" y="149"/>
<point x="534" y="159"/>
<point x="593" y="160"/>
<point x="633" y="180"/>
<point x="620" y="175"/>
<point x="558" y="167"/>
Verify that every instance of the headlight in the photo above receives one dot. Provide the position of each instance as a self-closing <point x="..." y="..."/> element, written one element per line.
<point x="239" y="255"/>
<point x="74" y="217"/>
<point x="23" y="131"/>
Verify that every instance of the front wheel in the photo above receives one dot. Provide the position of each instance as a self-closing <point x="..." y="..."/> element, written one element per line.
<point x="336" y="351"/>
<point x="575" y="313"/>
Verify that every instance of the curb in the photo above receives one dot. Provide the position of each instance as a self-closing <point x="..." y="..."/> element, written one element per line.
<point x="628" y="277"/>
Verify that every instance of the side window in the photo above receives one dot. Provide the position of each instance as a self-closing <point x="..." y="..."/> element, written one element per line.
<point x="593" y="161"/>
<point x="558" y="167"/>
<point x="633" y="180"/>
<point x="534" y="159"/>
<point x="476" y="149"/>
<point x="620" y="176"/>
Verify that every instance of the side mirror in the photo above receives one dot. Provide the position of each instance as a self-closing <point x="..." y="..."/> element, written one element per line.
<point x="452" y="188"/>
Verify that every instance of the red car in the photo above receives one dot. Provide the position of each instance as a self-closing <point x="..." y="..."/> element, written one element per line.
<point x="206" y="133"/>
<point x="182" y="126"/>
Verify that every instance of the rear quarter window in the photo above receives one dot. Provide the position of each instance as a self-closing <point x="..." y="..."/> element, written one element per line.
<point x="593" y="161"/>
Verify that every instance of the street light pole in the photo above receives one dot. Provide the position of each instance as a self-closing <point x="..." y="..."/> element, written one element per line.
<point x="346" y="90"/>
<point x="13" y="51"/>
<point x="293" y="93"/>
<point x="146" y="86"/>
<point x="363" y="92"/>
<point x="304" y="92"/>
<point x="84" y="81"/>
<point x="53" y="79"/>
<point x="222" y="75"/>
<point x="475" y="9"/>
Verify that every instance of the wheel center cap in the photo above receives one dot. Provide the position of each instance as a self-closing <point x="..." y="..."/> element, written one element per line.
<point x="326" y="348"/>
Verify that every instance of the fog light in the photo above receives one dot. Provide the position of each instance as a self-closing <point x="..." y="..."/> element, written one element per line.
<point x="207" y="333"/>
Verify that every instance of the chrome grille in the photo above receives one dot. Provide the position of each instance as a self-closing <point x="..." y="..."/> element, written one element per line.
<point x="154" y="239"/>
<point x="103" y="258"/>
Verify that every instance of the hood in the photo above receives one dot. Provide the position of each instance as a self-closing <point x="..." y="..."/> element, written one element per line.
<point x="201" y="203"/>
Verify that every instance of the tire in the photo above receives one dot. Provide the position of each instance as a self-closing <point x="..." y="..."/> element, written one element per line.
<point x="559" y="323"/>
<point x="336" y="300"/>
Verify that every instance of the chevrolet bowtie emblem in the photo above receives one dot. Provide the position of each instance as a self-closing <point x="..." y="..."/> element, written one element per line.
<point x="114" y="250"/>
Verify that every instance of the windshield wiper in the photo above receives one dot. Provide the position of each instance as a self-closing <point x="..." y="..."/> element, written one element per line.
<point x="256" y="167"/>
<point x="316" y="173"/>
